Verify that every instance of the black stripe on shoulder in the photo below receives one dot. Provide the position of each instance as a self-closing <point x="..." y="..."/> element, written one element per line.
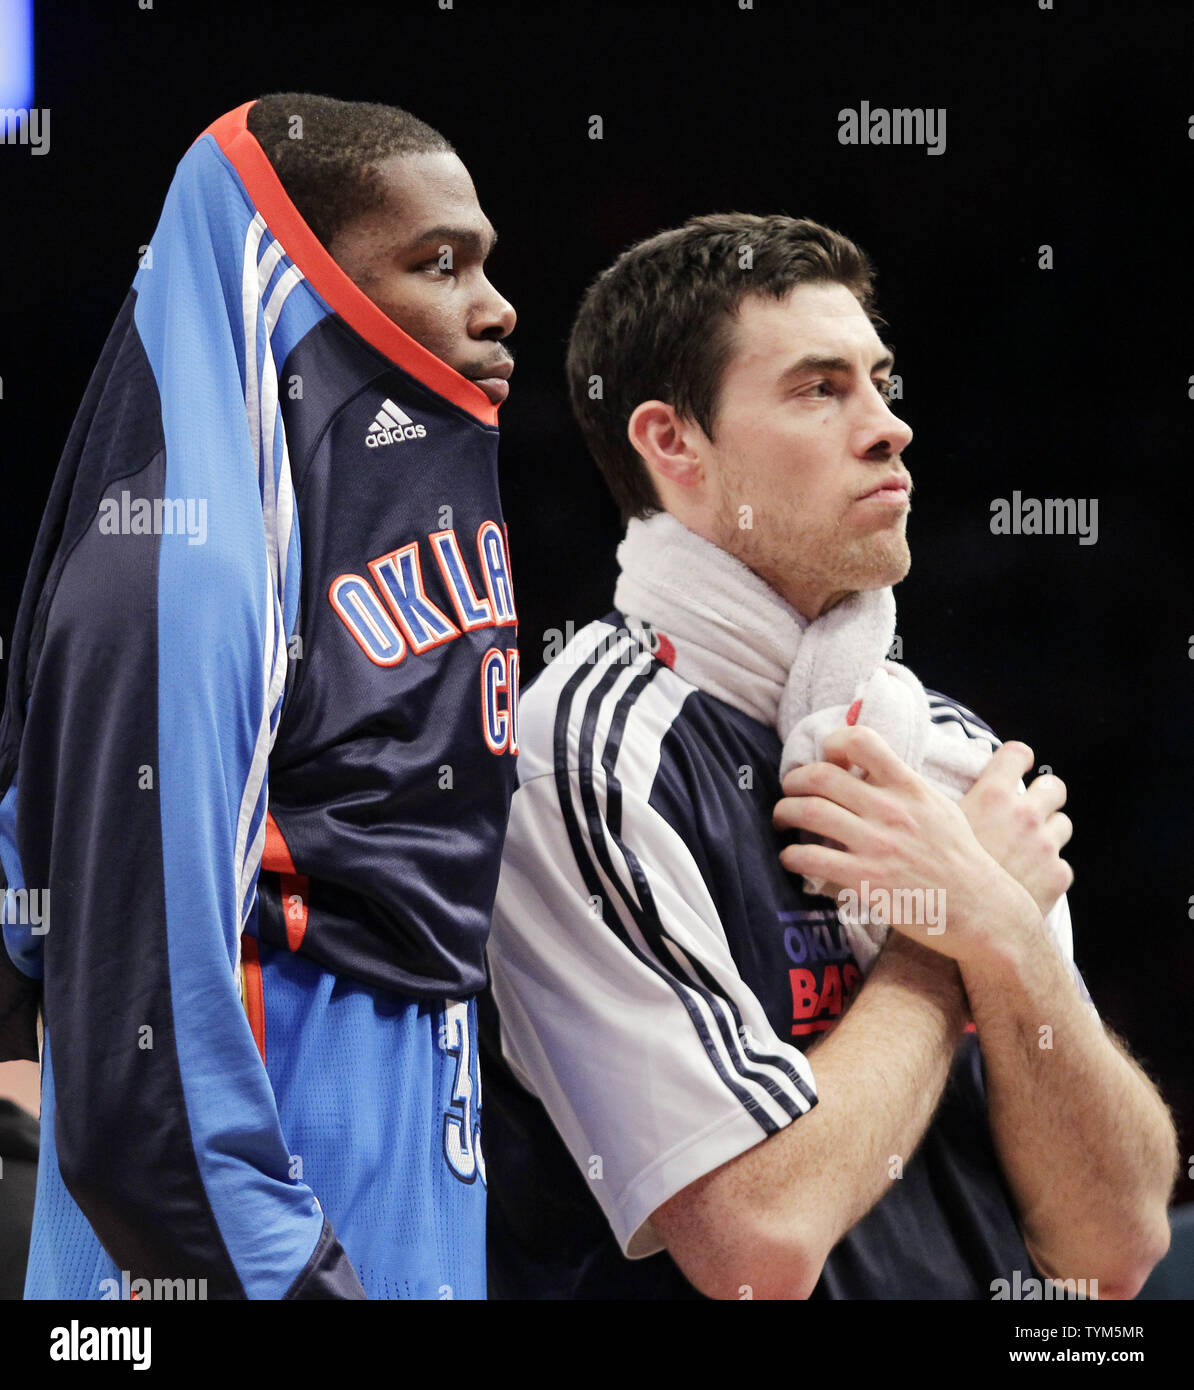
<point x="943" y="703"/>
<point x="948" y="717"/>
<point x="646" y="917"/>
<point x="649" y="923"/>
<point x="584" y="861"/>
<point x="596" y="849"/>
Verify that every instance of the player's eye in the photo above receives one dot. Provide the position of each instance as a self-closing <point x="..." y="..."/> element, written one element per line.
<point x="884" y="387"/>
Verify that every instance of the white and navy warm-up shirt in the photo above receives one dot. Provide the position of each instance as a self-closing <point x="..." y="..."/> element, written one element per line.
<point x="656" y="979"/>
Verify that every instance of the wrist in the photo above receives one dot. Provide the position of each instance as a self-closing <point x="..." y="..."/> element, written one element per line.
<point x="1012" y="927"/>
<point x="931" y="975"/>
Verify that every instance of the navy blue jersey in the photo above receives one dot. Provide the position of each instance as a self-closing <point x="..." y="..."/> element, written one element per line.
<point x="657" y="979"/>
<point x="255" y="768"/>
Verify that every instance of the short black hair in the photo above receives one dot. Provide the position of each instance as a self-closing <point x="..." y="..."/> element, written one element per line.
<point x="657" y="325"/>
<point x="325" y="152"/>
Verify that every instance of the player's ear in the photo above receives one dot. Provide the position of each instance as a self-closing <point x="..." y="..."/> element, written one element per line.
<point x="664" y="442"/>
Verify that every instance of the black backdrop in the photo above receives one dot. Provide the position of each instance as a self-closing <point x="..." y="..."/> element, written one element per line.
<point x="1068" y="128"/>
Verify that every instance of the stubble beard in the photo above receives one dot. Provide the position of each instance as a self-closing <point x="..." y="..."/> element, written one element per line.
<point x="808" y="564"/>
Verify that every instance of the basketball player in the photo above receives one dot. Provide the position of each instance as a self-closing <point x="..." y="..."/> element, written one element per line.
<point x="681" y="1098"/>
<point x="256" y="756"/>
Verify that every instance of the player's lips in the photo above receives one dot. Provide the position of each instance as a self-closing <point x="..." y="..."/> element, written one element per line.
<point x="894" y="489"/>
<point x="496" y="381"/>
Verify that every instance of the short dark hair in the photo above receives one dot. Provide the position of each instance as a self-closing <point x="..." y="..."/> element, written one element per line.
<point x="329" y="170"/>
<point x="657" y="325"/>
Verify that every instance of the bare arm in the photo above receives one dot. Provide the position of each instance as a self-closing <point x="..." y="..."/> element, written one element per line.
<point x="1082" y="1113"/>
<point x="1086" y="1142"/>
<point x="768" y="1218"/>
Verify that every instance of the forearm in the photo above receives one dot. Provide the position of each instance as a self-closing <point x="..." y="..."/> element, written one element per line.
<point x="1086" y="1143"/>
<point x="876" y="1099"/>
<point x="770" y="1217"/>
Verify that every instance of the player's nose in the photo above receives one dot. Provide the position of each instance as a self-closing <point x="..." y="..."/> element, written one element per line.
<point x="882" y="431"/>
<point x="494" y="316"/>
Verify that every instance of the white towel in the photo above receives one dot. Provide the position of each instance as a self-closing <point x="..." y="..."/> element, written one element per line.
<point x="736" y="638"/>
<point x="841" y="674"/>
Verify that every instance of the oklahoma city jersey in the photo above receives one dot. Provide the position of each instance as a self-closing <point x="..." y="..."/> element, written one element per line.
<point x="658" y="977"/>
<point x="256" y="763"/>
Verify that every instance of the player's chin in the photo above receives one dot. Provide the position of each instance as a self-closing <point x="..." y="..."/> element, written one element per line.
<point x="881" y="560"/>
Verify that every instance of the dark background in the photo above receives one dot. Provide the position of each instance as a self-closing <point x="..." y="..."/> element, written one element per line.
<point x="1066" y="128"/>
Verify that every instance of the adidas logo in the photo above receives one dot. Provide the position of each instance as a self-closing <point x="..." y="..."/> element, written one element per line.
<point x="392" y="426"/>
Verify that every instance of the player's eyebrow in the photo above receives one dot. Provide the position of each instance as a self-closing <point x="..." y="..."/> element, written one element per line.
<point x="818" y="362"/>
<point x="467" y="239"/>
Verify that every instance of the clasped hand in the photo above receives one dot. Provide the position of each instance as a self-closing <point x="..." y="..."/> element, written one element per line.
<point x="991" y="860"/>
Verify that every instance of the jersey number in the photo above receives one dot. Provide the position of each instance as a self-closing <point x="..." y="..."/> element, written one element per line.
<point x="462" y="1122"/>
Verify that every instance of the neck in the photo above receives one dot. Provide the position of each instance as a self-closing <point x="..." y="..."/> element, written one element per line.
<point x="812" y="608"/>
<point x="805" y="596"/>
<point x="733" y="633"/>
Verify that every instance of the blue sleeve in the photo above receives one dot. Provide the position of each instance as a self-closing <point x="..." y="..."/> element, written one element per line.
<point x="147" y="675"/>
<point x="148" y="686"/>
<point x="141" y="805"/>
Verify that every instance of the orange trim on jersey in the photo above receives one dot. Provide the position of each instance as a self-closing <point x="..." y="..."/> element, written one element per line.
<point x="305" y="249"/>
<point x="276" y="856"/>
<point x="342" y="613"/>
<point x="499" y="686"/>
<point x="391" y="558"/>
<point x="482" y="605"/>
<point x="512" y="620"/>
<point x="277" y="859"/>
<point x="254" y="991"/>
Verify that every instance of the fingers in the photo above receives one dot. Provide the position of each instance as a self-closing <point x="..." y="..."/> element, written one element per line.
<point x="1060" y="828"/>
<point x="1003" y="773"/>
<point x="862" y="747"/>
<point x="1048" y="793"/>
<point x="1060" y="880"/>
<point x="831" y="753"/>
<point x="832" y="782"/>
<point x="820" y="816"/>
<point x="818" y="861"/>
